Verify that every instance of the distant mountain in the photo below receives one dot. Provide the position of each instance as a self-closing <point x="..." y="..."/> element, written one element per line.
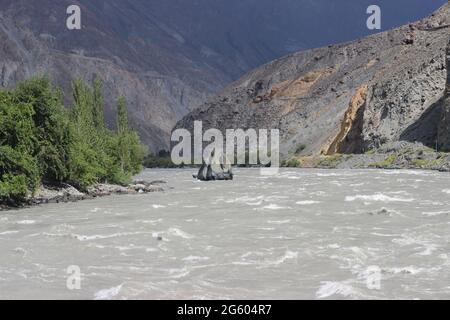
<point x="168" y="56"/>
<point x="347" y="98"/>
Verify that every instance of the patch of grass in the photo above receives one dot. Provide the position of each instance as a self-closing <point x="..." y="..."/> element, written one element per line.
<point x="293" y="163"/>
<point x="428" y="150"/>
<point x="386" y="163"/>
<point x="433" y="163"/>
<point x="421" y="163"/>
<point x="331" y="161"/>
<point x="407" y="151"/>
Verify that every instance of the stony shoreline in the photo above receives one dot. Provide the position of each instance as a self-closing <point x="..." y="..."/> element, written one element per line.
<point x="64" y="193"/>
<point x="399" y="155"/>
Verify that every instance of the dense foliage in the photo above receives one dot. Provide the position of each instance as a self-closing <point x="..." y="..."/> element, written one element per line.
<point x="42" y="141"/>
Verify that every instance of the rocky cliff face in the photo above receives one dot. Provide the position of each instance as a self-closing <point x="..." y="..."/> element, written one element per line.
<point x="443" y="138"/>
<point x="347" y="98"/>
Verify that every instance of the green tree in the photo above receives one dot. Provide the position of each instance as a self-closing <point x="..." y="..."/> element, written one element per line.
<point x="50" y="134"/>
<point x="122" y="116"/>
<point x="89" y="162"/>
<point x="130" y="151"/>
<point x="19" y="172"/>
<point x="98" y="104"/>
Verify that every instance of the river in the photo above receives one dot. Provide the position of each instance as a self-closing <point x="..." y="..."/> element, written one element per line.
<point x="302" y="234"/>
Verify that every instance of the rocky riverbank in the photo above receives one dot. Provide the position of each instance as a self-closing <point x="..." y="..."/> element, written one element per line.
<point x="67" y="193"/>
<point x="396" y="155"/>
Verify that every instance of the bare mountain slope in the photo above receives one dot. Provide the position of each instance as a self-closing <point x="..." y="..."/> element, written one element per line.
<point x="168" y="56"/>
<point x="346" y="98"/>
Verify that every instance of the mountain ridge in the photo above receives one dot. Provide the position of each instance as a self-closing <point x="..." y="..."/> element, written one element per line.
<point x="168" y="57"/>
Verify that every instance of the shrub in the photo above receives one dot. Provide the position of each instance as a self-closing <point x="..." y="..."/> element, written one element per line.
<point x="18" y="173"/>
<point x="293" y="163"/>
